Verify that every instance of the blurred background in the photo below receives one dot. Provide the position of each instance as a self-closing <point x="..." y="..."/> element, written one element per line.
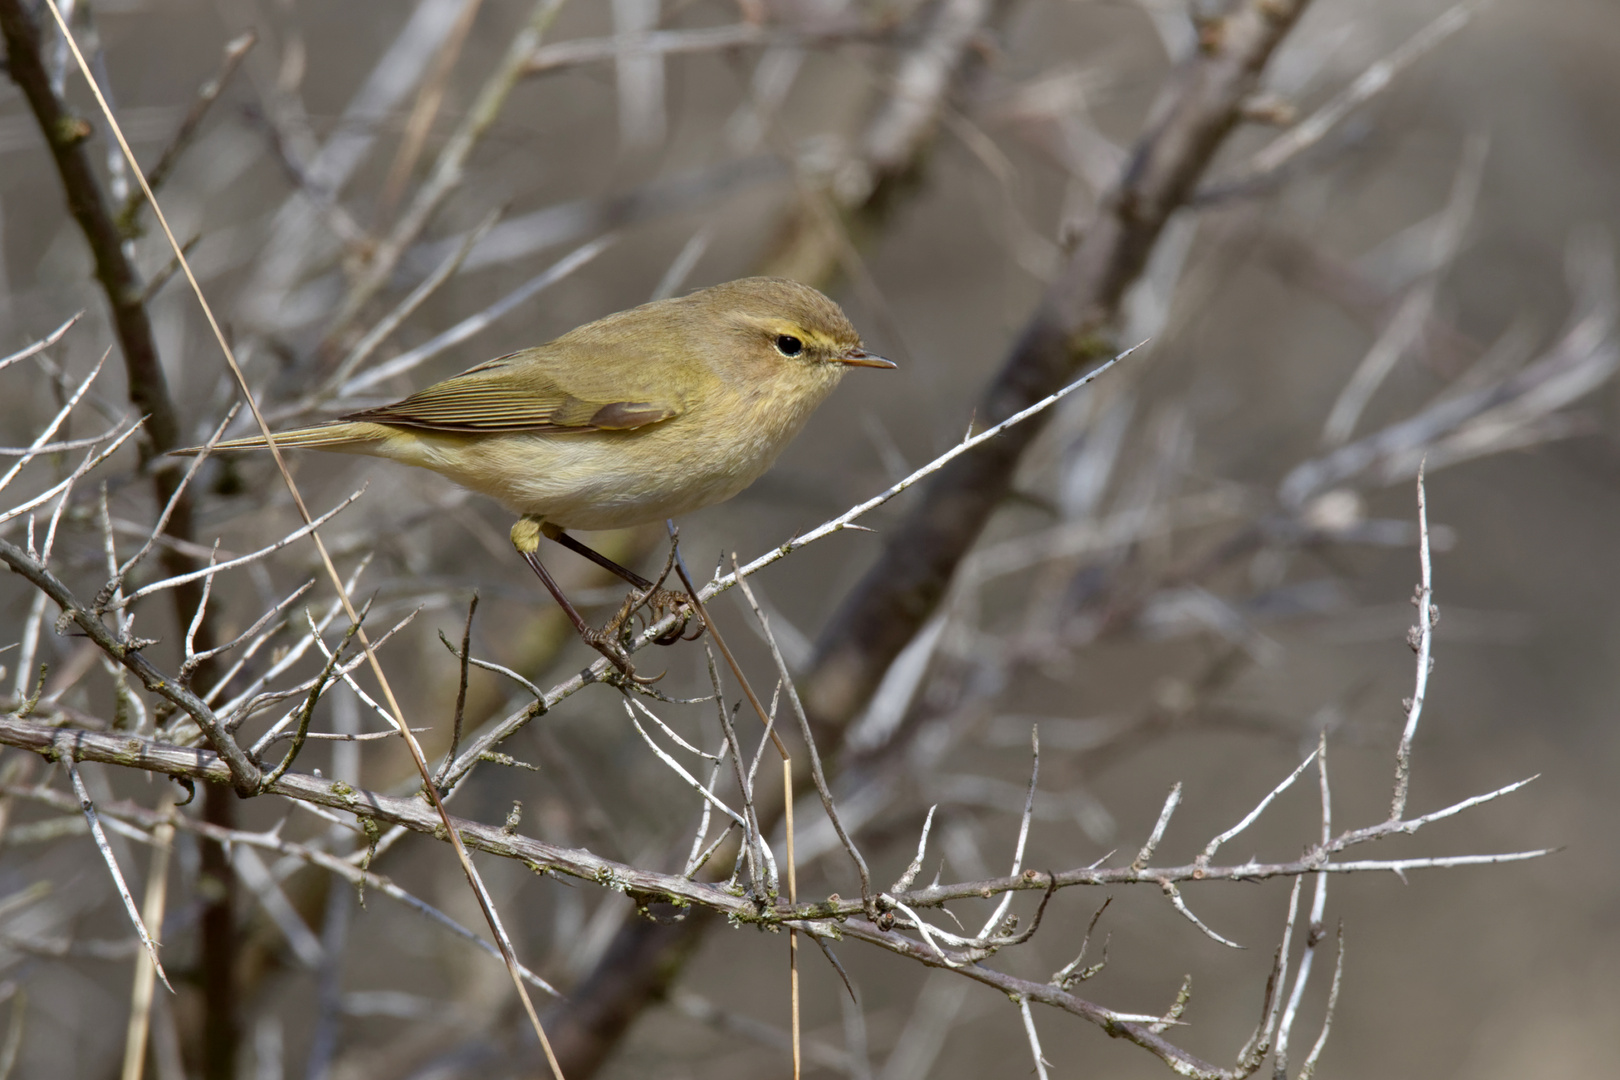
<point x="1208" y="561"/>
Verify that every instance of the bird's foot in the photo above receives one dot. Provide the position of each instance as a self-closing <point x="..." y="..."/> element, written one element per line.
<point x="661" y="603"/>
<point x="607" y="642"/>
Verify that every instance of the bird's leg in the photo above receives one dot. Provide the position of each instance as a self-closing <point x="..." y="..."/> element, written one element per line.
<point x="653" y="595"/>
<point x="526" y="539"/>
<point x="553" y="532"/>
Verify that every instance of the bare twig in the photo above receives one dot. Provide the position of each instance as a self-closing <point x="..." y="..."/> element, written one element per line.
<point x="210" y="571"/>
<point x="116" y="583"/>
<point x="471" y="325"/>
<point x="244" y="773"/>
<point x="1249" y="819"/>
<point x="1422" y="641"/>
<point x="89" y="809"/>
<point x="306" y="712"/>
<point x="1000" y="912"/>
<point x="235" y="51"/>
<point x="1034" y="1039"/>
<point x="42" y="344"/>
<point x="1171" y="891"/>
<point x="680" y="770"/>
<point x="448" y="168"/>
<point x="1368" y="84"/>
<point x="461" y="687"/>
<point x="44" y="436"/>
<point x="1315" y="932"/>
<point x="91" y="460"/>
<point x="904" y="881"/>
<point x="1308" y="1069"/>
<point x="1171" y="801"/>
<point x="1071" y="972"/>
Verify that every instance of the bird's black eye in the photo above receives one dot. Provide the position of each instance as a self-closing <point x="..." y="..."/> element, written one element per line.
<point x="788" y="345"/>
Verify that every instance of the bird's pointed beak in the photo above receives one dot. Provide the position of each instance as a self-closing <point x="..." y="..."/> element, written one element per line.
<point x="862" y="358"/>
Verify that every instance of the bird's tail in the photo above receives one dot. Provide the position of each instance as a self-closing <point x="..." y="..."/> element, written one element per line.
<point x="335" y="436"/>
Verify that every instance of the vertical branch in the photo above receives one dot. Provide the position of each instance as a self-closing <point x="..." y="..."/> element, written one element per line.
<point x="1421" y="638"/>
<point x="120" y="283"/>
<point x="461" y="691"/>
<point x="1034" y="1039"/>
<point x="793" y="901"/>
<point x="66" y="135"/>
<point x="1314" y="931"/>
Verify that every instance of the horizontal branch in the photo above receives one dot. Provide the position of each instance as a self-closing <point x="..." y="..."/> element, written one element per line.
<point x="703" y="39"/>
<point x="412" y="813"/>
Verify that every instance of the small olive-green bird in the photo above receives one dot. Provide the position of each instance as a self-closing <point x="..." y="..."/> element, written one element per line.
<point x="646" y="414"/>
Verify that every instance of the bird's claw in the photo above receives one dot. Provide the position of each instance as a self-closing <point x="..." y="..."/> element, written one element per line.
<point x="605" y="641"/>
<point x="661" y="602"/>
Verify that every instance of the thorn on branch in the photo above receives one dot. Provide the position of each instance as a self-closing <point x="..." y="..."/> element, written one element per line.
<point x="1177" y="1008"/>
<point x="32" y="702"/>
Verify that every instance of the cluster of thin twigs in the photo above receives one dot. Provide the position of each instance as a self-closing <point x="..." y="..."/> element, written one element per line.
<point x="243" y="712"/>
<point x="891" y="919"/>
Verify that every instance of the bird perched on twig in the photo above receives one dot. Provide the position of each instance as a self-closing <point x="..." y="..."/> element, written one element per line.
<point x="645" y="414"/>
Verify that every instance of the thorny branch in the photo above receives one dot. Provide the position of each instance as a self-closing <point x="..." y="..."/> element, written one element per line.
<point x="1068" y="331"/>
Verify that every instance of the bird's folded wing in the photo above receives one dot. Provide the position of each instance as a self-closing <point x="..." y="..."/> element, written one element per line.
<point x="502" y="396"/>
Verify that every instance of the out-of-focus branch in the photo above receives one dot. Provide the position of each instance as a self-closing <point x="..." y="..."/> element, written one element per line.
<point x="860" y="193"/>
<point x="165" y="819"/>
<point x="706" y="39"/>
<point x="208" y="93"/>
<point x="448" y="170"/>
<point x="1069" y="329"/>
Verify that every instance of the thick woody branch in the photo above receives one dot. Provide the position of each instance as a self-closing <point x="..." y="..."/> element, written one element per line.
<point x="832" y="219"/>
<point x="67" y="136"/>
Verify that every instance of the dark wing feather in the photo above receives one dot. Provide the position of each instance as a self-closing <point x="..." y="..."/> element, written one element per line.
<point x="503" y="396"/>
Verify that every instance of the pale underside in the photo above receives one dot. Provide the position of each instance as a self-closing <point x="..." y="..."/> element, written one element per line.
<point x="594" y="479"/>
